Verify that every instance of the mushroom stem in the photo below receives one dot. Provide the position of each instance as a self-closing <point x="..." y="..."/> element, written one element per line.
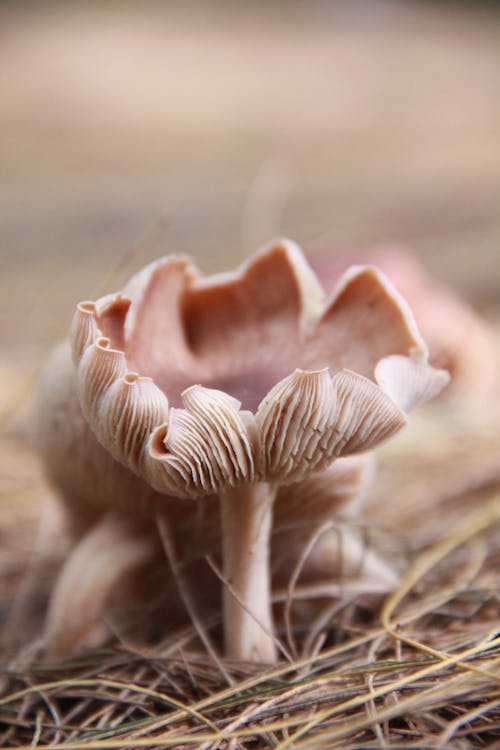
<point x="246" y="529"/>
<point x="109" y="551"/>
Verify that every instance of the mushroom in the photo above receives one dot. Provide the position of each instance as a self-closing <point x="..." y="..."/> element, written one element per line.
<point x="236" y="385"/>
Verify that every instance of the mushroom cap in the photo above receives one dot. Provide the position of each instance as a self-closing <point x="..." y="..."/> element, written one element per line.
<point x="197" y="384"/>
<point x="459" y="340"/>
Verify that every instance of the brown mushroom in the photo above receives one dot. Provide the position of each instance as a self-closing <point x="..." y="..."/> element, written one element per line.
<point x="235" y="385"/>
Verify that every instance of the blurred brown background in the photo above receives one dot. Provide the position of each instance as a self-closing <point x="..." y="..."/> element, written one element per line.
<point x="133" y="129"/>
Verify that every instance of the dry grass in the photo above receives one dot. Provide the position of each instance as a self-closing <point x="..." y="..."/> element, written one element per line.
<point x="418" y="669"/>
<point x="378" y="687"/>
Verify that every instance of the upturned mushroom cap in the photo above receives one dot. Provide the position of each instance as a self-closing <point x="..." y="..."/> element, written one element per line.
<point x="459" y="340"/>
<point x="198" y="384"/>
